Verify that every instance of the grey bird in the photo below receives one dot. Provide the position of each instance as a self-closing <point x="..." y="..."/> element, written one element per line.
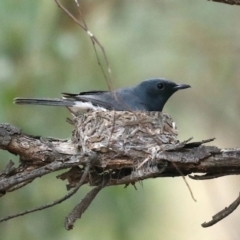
<point x="149" y="95"/>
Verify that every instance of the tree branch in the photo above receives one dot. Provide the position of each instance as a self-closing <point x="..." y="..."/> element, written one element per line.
<point x="140" y="146"/>
<point x="231" y="2"/>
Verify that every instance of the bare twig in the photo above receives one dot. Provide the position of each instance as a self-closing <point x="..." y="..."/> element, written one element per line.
<point x="81" y="207"/>
<point x="44" y="206"/>
<point x="231" y="2"/>
<point x="67" y="196"/>
<point x="94" y="41"/>
<point x="186" y="182"/>
<point x="222" y="214"/>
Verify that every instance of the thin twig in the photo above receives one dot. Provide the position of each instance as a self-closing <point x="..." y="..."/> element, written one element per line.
<point x="81" y="207"/>
<point x="222" y="214"/>
<point x="80" y="183"/>
<point x="21" y="177"/>
<point x="44" y="206"/>
<point x="184" y="179"/>
<point x="94" y="41"/>
<point x="231" y="2"/>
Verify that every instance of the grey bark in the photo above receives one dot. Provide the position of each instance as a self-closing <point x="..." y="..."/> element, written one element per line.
<point x="112" y="148"/>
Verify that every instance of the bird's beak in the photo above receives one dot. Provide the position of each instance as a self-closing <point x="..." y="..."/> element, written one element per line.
<point x="181" y="86"/>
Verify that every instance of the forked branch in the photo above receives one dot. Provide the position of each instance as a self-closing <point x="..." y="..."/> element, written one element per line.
<point x="141" y="146"/>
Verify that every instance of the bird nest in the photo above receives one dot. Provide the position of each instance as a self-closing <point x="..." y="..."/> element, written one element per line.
<point x="127" y="133"/>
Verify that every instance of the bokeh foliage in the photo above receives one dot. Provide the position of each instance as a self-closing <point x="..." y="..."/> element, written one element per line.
<point x="43" y="53"/>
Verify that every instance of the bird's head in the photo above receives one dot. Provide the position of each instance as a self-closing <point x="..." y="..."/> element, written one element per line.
<point x="155" y="92"/>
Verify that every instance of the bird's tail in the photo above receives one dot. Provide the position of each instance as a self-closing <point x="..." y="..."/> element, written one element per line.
<point x="44" y="101"/>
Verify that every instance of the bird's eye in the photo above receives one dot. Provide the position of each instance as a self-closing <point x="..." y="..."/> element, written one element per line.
<point x="160" y="86"/>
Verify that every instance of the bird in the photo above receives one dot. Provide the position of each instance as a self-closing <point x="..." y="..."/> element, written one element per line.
<point x="149" y="95"/>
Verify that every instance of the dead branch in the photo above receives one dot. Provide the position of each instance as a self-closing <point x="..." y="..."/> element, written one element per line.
<point x="231" y="2"/>
<point x="222" y="214"/>
<point x="138" y="146"/>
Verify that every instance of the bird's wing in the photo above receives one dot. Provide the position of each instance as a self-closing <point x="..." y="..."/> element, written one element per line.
<point x="120" y="100"/>
<point x="103" y="99"/>
<point x="84" y="93"/>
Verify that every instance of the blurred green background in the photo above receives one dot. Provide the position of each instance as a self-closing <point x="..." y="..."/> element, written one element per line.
<point x="43" y="53"/>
